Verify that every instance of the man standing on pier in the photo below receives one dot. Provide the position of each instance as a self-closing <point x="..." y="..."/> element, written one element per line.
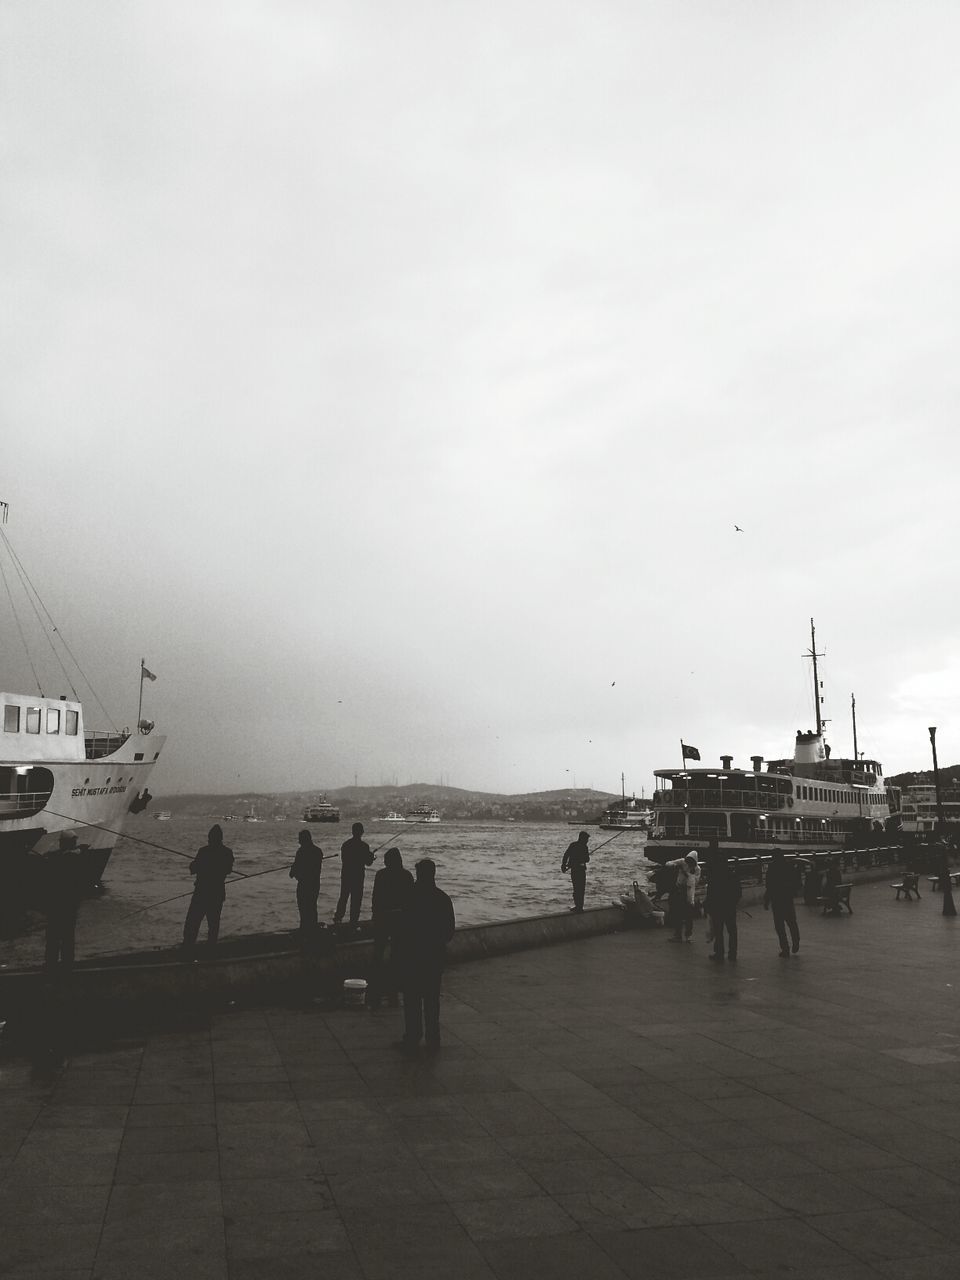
<point x="355" y="857"/>
<point x="307" y="865"/>
<point x="62" y="891"/>
<point x="392" y="888"/>
<point x="575" y="861"/>
<point x="427" y="923"/>
<point x="211" y="866"/>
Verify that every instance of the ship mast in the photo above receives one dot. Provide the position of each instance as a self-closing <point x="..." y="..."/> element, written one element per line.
<point x="816" y="679"/>
<point x="853" y="712"/>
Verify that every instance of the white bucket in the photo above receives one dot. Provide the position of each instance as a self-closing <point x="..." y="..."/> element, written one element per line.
<point x="354" y="992"/>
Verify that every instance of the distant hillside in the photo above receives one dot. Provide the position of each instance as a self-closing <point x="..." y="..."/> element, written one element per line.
<point x="949" y="774"/>
<point x="367" y="803"/>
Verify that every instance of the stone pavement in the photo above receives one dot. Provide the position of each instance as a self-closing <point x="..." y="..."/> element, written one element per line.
<point x="614" y="1107"/>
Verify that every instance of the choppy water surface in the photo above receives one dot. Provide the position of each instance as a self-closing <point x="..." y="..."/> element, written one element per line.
<point x="492" y="871"/>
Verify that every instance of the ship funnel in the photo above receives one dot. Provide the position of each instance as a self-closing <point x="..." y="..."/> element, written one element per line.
<point x="809" y="748"/>
<point x="726" y="761"/>
<point x="757" y="762"/>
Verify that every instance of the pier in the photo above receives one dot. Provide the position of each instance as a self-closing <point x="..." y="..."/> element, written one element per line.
<point x="611" y="1106"/>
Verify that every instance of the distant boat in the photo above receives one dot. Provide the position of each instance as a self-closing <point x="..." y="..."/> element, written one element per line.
<point x="163" y="815"/>
<point x="321" y="811"/>
<point x="392" y="817"/>
<point x="423" y="813"/>
<point x="628" y="815"/>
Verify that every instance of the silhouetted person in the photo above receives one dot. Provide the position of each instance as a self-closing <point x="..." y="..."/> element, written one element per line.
<point x="812" y="884"/>
<point x="62" y="891"/>
<point x="426" y="925"/>
<point x="831" y="882"/>
<point x="307" y="865"/>
<point x="778" y="894"/>
<point x="392" y="887"/>
<point x="683" y="895"/>
<point x="723" y="894"/>
<point x="355" y="856"/>
<point x="575" y="861"/>
<point x="211" y="866"/>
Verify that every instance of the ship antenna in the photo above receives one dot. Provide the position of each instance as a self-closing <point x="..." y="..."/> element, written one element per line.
<point x="853" y="712"/>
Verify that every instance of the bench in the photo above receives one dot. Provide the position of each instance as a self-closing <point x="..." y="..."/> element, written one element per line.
<point x="907" y="886"/>
<point x="838" y="896"/>
<point x="954" y="880"/>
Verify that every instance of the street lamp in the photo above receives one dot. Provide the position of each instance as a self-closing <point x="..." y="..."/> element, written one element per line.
<point x="949" y="908"/>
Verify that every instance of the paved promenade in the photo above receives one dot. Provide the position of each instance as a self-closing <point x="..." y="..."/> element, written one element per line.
<point x="614" y="1107"/>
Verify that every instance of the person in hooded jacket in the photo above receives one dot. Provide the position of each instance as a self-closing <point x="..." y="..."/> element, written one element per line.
<point x="426" y="924"/>
<point x="211" y="866"/>
<point x="306" y="869"/>
<point x="392" y="887"/>
<point x="683" y="895"/>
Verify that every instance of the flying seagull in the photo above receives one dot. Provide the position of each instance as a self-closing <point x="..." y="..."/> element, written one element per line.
<point x="738" y="529"/>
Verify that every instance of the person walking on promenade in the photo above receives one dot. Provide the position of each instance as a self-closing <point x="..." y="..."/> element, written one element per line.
<point x="723" y="895"/>
<point x="62" y="890"/>
<point x="575" y="861"/>
<point x="427" y="923"/>
<point x="392" y="886"/>
<point x="778" y="893"/>
<point x="683" y="895"/>
<point x="211" y="866"/>
<point x="306" y="869"/>
<point x="355" y="857"/>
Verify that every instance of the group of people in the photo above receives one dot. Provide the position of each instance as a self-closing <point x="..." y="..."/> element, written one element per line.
<point x="413" y="920"/>
<point x="722" y="898"/>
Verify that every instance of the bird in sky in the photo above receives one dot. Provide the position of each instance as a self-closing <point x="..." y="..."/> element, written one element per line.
<point x="738" y="529"/>
<point x="612" y="683"/>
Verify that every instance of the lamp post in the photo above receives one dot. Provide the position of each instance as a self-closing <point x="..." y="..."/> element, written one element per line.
<point x="949" y="909"/>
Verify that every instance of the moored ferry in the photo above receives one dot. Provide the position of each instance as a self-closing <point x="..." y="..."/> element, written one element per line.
<point x="58" y="778"/>
<point x="811" y="802"/>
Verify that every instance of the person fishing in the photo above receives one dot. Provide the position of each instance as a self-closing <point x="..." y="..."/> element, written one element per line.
<point x="306" y="869"/>
<point x="355" y="857"/>
<point x="575" y="861"/>
<point x="211" y="866"/>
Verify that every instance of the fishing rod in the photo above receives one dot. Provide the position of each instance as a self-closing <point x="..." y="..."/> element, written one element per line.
<point x="113" y="832"/>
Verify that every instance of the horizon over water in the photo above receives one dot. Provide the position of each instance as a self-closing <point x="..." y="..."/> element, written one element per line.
<point x="492" y="870"/>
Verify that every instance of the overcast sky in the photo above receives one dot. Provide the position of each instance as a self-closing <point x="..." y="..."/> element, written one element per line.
<point x="391" y="378"/>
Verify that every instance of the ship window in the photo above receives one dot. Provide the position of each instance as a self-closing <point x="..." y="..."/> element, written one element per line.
<point x="33" y="719"/>
<point x="11" y="718"/>
<point x="53" y="719"/>
<point x="71" y="723"/>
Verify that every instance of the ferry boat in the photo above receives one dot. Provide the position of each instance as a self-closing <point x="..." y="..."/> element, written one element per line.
<point x="60" y="778"/>
<point x="162" y="815"/>
<point x="321" y="811"/>
<point x="919" y="808"/>
<point x="423" y="813"/>
<point x="810" y="803"/>
<point x="628" y="815"/>
<point x="392" y="817"/>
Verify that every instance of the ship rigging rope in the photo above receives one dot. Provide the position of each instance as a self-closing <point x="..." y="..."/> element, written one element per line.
<point x="16" y="618"/>
<point x="35" y="598"/>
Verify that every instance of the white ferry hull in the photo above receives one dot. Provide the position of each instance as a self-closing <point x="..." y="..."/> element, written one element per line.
<point x="89" y="799"/>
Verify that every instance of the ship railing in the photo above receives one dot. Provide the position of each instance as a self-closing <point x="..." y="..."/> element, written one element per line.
<point x="14" y="804"/>
<point x="99" y="743"/>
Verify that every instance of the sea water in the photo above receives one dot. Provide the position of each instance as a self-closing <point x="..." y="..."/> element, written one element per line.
<point x="492" y="871"/>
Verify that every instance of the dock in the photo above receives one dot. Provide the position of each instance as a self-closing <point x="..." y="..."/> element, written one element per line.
<point x="612" y="1106"/>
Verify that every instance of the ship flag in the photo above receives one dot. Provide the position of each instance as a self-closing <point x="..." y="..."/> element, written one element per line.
<point x="689" y="753"/>
<point x="148" y="675"/>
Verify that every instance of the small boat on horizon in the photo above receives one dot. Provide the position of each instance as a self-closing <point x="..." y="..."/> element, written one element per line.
<point x="423" y="813"/>
<point x="321" y="811"/>
<point x="392" y="817"/>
